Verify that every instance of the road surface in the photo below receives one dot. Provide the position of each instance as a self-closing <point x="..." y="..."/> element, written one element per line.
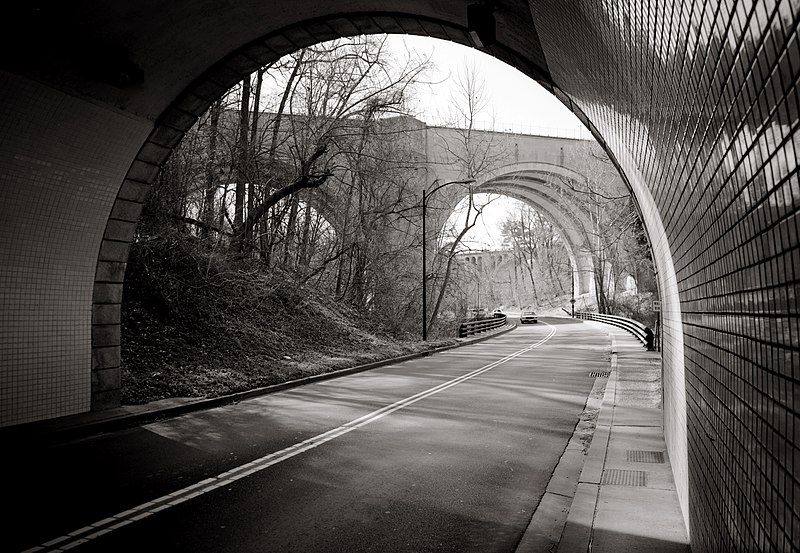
<point x="450" y="452"/>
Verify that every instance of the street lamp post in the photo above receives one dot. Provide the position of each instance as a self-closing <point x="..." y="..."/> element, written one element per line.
<point x="572" y="300"/>
<point x="425" y="195"/>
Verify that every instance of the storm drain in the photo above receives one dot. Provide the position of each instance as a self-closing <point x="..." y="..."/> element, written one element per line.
<point x="640" y="456"/>
<point x="620" y="477"/>
<point x="597" y="374"/>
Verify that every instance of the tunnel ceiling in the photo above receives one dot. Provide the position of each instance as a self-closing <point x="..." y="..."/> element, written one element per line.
<point x="140" y="56"/>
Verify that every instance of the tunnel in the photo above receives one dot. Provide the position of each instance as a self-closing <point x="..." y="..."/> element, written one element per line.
<point x="695" y="102"/>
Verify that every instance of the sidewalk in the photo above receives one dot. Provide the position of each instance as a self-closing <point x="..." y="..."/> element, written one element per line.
<point x="625" y="497"/>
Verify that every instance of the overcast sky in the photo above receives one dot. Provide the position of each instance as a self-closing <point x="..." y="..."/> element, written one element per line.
<point x="517" y="102"/>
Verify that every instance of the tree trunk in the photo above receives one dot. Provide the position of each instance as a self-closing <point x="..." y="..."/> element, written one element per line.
<point x="302" y="254"/>
<point x="345" y="230"/>
<point x="450" y="256"/>
<point x="251" y="156"/>
<point x="256" y="113"/>
<point x="241" y="167"/>
<point x="358" y="287"/>
<point x="553" y="275"/>
<point x="276" y="126"/>
<point x="443" y="289"/>
<point x="290" y="229"/>
<point x="211" y="170"/>
<point x="533" y="282"/>
<point x="223" y="208"/>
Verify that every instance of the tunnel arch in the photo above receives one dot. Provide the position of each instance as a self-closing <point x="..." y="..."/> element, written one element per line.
<point x="192" y="103"/>
<point x="187" y="102"/>
<point x="697" y="104"/>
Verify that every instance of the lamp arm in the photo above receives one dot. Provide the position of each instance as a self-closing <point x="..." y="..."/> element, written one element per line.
<point x="467" y="181"/>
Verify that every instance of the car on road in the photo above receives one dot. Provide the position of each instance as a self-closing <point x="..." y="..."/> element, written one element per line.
<point x="498" y="314"/>
<point x="528" y="317"/>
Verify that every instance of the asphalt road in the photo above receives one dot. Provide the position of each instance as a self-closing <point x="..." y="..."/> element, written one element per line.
<point x="451" y="452"/>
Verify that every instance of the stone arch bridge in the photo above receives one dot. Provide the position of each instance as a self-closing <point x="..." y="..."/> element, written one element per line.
<point x="696" y="102"/>
<point x="542" y="171"/>
<point x="541" y="185"/>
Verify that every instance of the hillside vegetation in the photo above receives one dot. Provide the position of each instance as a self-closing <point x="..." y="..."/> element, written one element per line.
<point x="193" y="326"/>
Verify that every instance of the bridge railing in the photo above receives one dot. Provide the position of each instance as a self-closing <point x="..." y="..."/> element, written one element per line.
<point x="634" y="327"/>
<point x="481" y="325"/>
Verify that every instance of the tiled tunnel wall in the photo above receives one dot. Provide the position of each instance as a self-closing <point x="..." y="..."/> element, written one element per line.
<point x="48" y="255"/>
<point x="705" y="114"/>
<point x="695" y="99"/>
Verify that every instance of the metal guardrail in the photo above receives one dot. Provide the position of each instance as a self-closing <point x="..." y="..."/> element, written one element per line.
<point x="634" y="327"/>
<point x="481" y="325"/>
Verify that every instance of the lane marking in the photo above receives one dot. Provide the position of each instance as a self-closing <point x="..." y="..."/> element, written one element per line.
<point x="197" y="489"/>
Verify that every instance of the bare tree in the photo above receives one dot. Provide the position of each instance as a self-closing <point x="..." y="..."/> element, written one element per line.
<point x="332" y="92"/>
<point x="539" y="252"/>
<point x="475" y="154"/>
<point x="615" y="231"/>
<point x="323" y="176"/>
<point x="472" y="213"/>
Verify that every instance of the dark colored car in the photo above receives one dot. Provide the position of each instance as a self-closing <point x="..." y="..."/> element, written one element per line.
<point x="528" y="317"/>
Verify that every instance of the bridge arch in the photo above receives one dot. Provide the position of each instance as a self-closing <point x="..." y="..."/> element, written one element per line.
<point x="542" y="186"/>
<point x="574" y="242"/>
<point x="700" y="115"/>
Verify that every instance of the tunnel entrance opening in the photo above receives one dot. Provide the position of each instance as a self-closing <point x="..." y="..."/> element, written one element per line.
<point x="175" y="117"/>
<point x="258" y="141"/>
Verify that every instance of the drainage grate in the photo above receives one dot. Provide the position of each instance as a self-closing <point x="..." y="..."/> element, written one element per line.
<point x="639" y="456"/>
<point x="597" y="374"/>
<point x="619" y="477"/>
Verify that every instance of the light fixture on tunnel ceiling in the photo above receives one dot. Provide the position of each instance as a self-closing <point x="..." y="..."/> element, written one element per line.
<point x="481" y="23"/>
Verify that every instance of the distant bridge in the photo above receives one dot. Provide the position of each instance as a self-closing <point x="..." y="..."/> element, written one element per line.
<point x="538" y="170"/>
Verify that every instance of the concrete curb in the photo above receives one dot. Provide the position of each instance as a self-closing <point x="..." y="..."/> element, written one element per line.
<point x="85" y="424"/>
<point x="577" y="534"/>
<point x="547" y="523"/>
